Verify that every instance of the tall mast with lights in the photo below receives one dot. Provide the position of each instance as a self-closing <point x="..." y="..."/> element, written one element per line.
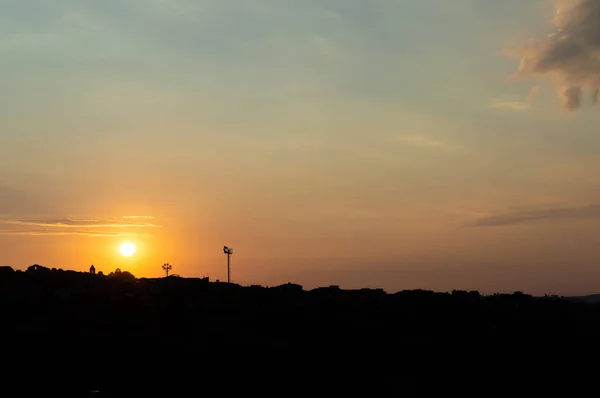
<point x="228" y="251"/>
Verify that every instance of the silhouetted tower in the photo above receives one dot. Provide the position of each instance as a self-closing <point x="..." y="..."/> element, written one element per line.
<point x="229" y="252"/>
<point x="92" y="269"/>
<point x="167" y="267"/>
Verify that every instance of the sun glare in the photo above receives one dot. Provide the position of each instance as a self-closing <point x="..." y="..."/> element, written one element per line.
<point x="127" y="249"/>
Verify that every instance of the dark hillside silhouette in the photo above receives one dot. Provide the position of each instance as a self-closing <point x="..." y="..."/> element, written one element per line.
<point x="118" y="334"/>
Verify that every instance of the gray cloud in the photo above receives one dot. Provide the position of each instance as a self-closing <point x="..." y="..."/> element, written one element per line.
<point x="519" y="217"/>
<point x="15" y="201"/>
<point x="571" y="54"/>
<point x="10" y="198"/>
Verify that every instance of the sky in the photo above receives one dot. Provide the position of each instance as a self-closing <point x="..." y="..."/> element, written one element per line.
<point x="396" y="144"/>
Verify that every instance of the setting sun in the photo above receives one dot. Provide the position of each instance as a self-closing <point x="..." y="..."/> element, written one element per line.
<point x="127" y="249"/>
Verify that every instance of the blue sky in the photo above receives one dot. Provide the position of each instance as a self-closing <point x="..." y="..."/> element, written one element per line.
<point x="355" y="142"/>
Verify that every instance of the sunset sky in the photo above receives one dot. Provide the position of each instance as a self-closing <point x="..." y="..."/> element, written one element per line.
<point x="400" y="144"/>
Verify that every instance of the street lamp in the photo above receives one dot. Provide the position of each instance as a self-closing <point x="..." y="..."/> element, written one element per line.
<point x="167" y="267"/>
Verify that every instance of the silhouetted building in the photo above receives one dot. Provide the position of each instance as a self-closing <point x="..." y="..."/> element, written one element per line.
<point x="92" y="269"/>
<point x="327" y="291"/>
<point x="289" y="288"/>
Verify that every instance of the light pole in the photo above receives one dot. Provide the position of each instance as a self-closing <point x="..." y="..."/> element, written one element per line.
<point x="167" y="267"/>
<point x="229" y="252"/>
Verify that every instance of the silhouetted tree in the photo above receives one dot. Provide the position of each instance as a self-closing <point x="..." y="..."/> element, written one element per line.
<point x="121" y="275"/>
<point x="37" y="268"/>
<point x="126" y="275"/>
<point x="167" y="267"/>
<point x="116" y="272"/>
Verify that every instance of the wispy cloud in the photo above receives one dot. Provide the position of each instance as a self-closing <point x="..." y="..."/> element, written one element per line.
<point x="516" y="105"/>
<point x="520" y="217"/>
<point x="421" y="141"/>
<point x="139" y="217"/>
<point x="42" y="232"/>
<point x="70" y="223"/>
<point x="70" y="226"/>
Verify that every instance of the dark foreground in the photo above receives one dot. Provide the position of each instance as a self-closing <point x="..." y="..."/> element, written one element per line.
<point x="68" y="334"/>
